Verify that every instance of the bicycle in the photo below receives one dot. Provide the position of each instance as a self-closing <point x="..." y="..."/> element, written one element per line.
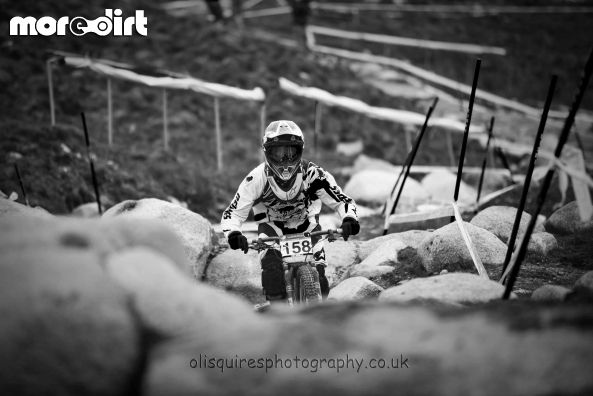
<point x="300" y="274"/>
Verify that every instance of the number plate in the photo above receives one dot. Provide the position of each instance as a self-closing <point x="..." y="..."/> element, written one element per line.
<point x="296" y="246"/>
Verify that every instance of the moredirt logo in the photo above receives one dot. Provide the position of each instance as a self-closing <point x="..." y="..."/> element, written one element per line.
<point x="112" y="23"/>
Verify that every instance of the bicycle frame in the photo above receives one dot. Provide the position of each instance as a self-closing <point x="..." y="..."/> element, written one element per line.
<point x="292" y="263"/>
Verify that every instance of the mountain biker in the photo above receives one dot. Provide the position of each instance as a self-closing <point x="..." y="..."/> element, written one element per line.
<point x="286" y="194"/>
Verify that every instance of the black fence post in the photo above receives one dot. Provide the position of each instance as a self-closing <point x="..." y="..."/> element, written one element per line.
<point x="468" y="120"/>
<point x="409" y="161"/>
<point x="549" y="175"/>
<point x="528" y="175"/>
<point x="93" y="174"/>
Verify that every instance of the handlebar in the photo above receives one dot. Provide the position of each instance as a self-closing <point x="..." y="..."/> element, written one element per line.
<point x="257" y="243"/>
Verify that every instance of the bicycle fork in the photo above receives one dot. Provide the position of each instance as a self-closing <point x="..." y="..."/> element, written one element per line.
<point x="288" y="280"/>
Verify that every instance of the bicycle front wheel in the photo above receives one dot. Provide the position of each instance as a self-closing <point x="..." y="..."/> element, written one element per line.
<point x="307" y="280"/>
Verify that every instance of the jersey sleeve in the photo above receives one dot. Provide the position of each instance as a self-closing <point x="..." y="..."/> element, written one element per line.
<point x="236" y="213"/>
<point x="324" y="186"/>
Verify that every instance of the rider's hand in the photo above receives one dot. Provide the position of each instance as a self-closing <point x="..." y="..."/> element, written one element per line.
<point x="238" y="241"/>
<point x="349" y="227"/>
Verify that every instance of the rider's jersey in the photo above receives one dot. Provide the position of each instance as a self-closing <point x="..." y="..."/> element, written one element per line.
<point x="260" y="192"/>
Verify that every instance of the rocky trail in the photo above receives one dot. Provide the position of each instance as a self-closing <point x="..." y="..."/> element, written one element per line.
<point x="117" y="305"/>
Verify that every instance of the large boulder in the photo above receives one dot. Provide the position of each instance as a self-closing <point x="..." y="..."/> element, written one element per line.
<point x="105" y="237"/>
<point x="411" y="239"/>
<point x="237" y="272"/>
<point x="374" y="186"/>
<point x="390" y="262"/>
<point x="530" y="348"/>
<point x="440" y="185"/>
<point x="12" y="208"/>
<point x="87" y="210"/>
<point x="364" y="162"/>
<point x="550" y="293"/>
<point x="585" y="282"/>
<point x="169" y="303"/>
<point x="193" y="230"/>
<point x="446" y="249"/>
<point x="356" y="288"/>
<point x="340" y="257"/>
<point x="567" y="220"/>
<point x="66" y="327"/>
<point x="451" y="288"/>
<point x="541" y="244"/>
<point x="499" y="220"/>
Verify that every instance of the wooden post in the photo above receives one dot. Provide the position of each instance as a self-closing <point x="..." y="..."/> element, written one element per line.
<point x="317" y="128"/>
<point x="50" y="84"/>
<point x="485" y="160"/>
<point x="262" y="117"/>
<point x="450" y="150"/>
<point x="109" y="114"/>
<point x="165" y="121"/>
<point x="408" y="137"/>
<point x="218" y="134"/>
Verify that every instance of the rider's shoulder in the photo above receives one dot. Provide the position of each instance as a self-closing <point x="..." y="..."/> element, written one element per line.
<point x="256" y="175"/>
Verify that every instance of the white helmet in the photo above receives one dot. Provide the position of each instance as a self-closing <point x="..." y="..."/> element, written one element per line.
<point x="283" y="145"/>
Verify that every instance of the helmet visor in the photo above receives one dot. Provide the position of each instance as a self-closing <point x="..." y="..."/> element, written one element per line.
<point x="283" y="154"/>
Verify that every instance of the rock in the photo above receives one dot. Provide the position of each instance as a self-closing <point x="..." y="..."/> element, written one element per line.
<point x="356" y="288"/>
<point x="66" y="328"/>
<point x="550" y="293"/>
<point x="104" y="236"/>
<point x="411" y="239"/>
<point x="585" y="282"/>
<point x="375" y="186"/>
<point x="370" y="271"/>
<point x="340" y="257"/>
<point x="193" y="230"/>
<point x="441" y="185"/>
<point x="384" y="254"/>
<point x="541" y="244"/>
<point x="169" y="303"/>
<point x="446" y="249"/>
<point x="87" y="210"/>
<point x="11" y="208"/>
<point x="364" y="162"/>
<point x="237" y="272"/>
<point x="430" y="346"/>
<point x="350" y="148"/>
<point x="567" y="220"/>
<point x="499" y="220"/>
<point x="540" y="224"/>
<point x="456" y="288"/>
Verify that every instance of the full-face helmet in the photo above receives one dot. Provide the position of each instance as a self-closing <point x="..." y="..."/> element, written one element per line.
<point x="283" y="145"/>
